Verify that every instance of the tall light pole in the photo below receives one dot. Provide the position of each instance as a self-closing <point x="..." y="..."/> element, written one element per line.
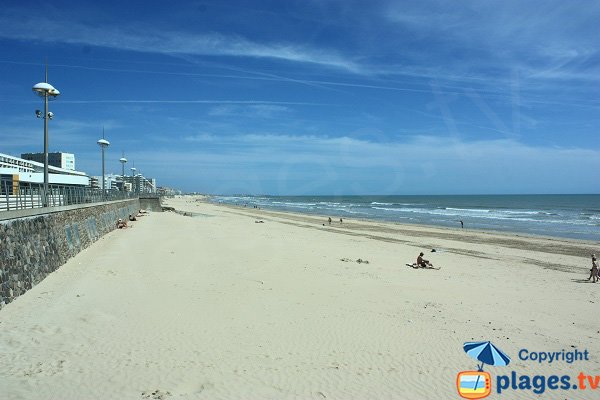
<point x="103" y="143"/>
<point x="133" y="169"/>
<point x="46" y="91"/>
<point x="123" y="160"/>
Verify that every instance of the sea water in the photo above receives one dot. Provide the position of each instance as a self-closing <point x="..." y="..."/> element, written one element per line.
<point x="567" y="216"/>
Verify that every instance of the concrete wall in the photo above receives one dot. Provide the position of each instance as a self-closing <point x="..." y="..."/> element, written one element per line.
<point x="34" y="243"/>
<point x="151" y="203"/>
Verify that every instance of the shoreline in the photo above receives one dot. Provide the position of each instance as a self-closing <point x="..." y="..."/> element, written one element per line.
<point x="383" y="219"/>
<point x="577" y="247"/>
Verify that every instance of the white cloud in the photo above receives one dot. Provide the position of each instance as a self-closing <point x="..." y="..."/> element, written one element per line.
<point x="15" y="25"/>
<point x="420" y="164"/>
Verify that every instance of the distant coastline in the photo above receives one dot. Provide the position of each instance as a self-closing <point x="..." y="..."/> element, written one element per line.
<point x="562" y="216"/>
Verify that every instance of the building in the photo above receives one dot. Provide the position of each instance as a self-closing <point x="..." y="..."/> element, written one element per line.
<point x="94" y="182"/>
<point x="19" y="171"/>
<point x="166" y="191"/>
<point x="111" y="182"/>
<point x="140" y="184"/>
<point x="58" y="159"/>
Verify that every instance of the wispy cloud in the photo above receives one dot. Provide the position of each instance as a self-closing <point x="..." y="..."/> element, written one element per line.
<point x="529" y="36"/>
<point x="254" y="111"/>
<point x="21" y="26"/>
<point x="254" y="103"/>
<point x="65" y="134"/>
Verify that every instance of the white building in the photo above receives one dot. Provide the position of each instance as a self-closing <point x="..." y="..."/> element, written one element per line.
<point x="140" y="184"/>
<point x="110" y="181"/>
<point x="27" y="171"/>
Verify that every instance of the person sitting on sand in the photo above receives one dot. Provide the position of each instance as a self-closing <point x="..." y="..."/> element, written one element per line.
<point x="132" y="218"/>
<point x="121" y="224"/>
<point x="594" y="270"/>
<point x="423" y="263"/>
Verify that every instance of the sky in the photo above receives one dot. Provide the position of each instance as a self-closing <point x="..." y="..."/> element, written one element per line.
<point x="332" y="97"/>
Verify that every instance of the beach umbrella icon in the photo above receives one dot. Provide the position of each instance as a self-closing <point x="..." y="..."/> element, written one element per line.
<point x="487" y="353"/>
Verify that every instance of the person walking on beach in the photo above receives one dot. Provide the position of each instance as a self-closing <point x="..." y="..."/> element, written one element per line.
<point x="329" y="220"/>
<point x="594" y="270"/>
<point x="462" y="225"/>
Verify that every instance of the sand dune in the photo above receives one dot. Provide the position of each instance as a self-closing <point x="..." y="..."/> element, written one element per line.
<point x="217" y="306"/>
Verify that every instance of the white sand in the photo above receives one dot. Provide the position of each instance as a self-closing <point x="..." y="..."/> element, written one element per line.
<point x="217" y="306"/>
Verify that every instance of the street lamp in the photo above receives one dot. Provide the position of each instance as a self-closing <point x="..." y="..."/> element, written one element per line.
<point x="45" y="91"/>
<point x="103" y="143"/>
<point x="123" y="160"/>
<point x="133" y="169"/>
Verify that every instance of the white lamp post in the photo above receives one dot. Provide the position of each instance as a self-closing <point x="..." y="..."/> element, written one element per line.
<point x="123" y="160"/>
<point x="46" y="91"/>
<point x="133" y="169"/>
<point x="103" y="143"/>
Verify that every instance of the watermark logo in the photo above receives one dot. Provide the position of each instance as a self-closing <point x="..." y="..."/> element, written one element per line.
<point x="474" y="384"/>
<point x="478" y="384"/>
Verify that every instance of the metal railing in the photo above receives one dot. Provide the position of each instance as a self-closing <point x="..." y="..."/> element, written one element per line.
<point x="31" y="195"/>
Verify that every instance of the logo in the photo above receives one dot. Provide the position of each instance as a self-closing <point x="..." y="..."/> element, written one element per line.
<point x="474" y="384"/>
<point x="478" y="384"/>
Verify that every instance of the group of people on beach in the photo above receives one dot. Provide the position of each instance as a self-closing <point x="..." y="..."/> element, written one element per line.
<point x="423" y="263"/>
<point x="594" y="276"/>
<point x="122" y="224"/>
<point x="329" y="221"/>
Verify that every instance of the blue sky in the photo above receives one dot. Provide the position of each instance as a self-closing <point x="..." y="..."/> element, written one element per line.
<point x="314" y="97"/>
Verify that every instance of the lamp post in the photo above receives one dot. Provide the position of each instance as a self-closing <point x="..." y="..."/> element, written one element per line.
<point x="103" y="143"/>
<point x="45" y="91"/>
<point x="123" y="160"/>
<point x="133" y="169"/>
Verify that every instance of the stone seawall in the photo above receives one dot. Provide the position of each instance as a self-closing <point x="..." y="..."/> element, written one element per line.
<point x="35" y="243"/>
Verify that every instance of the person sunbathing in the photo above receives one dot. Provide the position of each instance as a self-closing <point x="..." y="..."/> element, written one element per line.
<point x="423" y="263"/>
<point x="121" y="224"/>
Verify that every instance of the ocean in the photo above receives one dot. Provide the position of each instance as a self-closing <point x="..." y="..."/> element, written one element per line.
<point x="566" y="216"/>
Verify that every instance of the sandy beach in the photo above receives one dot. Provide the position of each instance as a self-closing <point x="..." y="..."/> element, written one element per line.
<point x="220" y="306"/>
